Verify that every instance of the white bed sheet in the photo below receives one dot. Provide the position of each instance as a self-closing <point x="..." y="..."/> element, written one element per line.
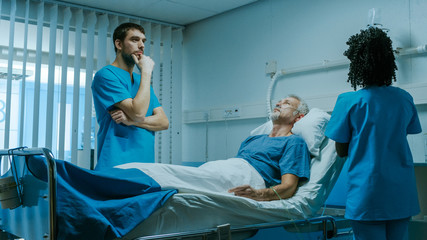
<point x="192" y="210"/>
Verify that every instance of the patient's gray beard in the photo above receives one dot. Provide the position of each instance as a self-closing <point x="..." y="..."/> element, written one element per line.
<point x="128" y="59"/>
<point x="274" y="116"/>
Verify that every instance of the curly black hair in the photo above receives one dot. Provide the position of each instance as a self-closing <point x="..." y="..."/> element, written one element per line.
<point x="371" y="56"/>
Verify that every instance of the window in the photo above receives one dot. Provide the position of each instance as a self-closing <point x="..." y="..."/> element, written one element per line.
<point x="45" y="94"/>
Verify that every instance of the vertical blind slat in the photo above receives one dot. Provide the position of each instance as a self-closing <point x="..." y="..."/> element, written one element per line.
<point x="102" y="59"/>
<point x="9" y="74"/>
<point x="39" y="44"/>
<point x="4" y="164"/>
<point x="102" y="41"/>
<point x="51" y="76"/>
<point x="76" y="85"/>
<point x="63" y="100"/>
<point x="113" y="25"/>
<point x="176" y="97"/>
<point x="147" y="30"/>
<point x="166" y="91"/>
<point x="155" y="54"/>
<point x="85" y="162"/>
<point x="24" y="73"/>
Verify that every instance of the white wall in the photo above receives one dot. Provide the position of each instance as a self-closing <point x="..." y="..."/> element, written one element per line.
<point x="225" y="57"/>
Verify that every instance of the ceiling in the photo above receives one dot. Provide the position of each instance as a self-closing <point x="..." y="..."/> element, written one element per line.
<point x="178" y="12"/>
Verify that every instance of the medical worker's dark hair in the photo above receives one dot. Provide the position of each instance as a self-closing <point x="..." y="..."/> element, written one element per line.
<point x="371" y="56"/>
<point x="121" y="31"/>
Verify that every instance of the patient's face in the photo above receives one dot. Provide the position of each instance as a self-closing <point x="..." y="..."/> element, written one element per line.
<point x="285" y="109"/>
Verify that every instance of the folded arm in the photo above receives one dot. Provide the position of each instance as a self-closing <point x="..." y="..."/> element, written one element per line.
<point x="136" y="108"/>
<point x="285" y="189"/>
<point x="156" y="122"/>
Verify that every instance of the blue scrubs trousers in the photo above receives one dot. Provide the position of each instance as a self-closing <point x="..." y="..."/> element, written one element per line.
<point x="381" y="230"/>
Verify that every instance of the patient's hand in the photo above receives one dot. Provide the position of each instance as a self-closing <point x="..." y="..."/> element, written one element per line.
<point x="248" y="192"/>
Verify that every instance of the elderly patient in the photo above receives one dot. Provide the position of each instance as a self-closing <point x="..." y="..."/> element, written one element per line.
<point x="267" y="167"/>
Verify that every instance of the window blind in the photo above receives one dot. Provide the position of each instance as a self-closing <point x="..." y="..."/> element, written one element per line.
<point x="50" y="75"/>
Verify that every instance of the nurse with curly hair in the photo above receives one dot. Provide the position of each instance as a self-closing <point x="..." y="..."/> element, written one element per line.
<point x="370" y="126"/>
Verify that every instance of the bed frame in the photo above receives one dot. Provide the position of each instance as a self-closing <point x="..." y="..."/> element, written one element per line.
<point x="35" y="218"/>
<point x="327" y="225"/>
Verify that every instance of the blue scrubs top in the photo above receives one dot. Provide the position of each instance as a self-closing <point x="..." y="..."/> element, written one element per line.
<point x="118" y="143"/>
<point x="375" y="122"/>
<point x="273" y="157"/>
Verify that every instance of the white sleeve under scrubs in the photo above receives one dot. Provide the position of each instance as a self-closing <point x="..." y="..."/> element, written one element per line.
<point x="375" y="122"/>
<point x="117" y="143"/>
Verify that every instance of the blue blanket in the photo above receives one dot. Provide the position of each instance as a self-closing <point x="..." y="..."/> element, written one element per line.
<point x="100" y="205"/>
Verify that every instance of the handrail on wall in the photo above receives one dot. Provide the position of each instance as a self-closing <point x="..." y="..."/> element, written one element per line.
<point x="326" y="64"/>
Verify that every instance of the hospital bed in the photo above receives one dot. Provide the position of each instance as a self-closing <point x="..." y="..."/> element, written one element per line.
<point x="190" y="215"/>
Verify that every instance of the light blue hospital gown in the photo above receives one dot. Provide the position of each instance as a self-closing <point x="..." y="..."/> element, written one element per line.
<point x="117" y="143"/>
<point x="375" y="122"/>
<point x="273" y="157"/>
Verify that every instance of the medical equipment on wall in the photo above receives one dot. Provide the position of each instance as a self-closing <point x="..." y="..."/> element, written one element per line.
<point x="327" y="65"/>
<point x="374" y="20"/>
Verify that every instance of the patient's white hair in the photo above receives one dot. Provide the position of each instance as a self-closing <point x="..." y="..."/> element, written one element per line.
<point x="302" y="107"/>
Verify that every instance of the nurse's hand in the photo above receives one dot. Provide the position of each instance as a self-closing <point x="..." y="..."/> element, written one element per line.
<point x="247" y="192"/>
<point x="119" y="116"/>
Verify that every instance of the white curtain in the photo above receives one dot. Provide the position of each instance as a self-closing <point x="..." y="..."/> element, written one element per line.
<point x="47" y="63"/>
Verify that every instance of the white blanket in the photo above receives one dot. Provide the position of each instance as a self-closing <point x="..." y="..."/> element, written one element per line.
<point x="198" y="206"/>
<point x="214" y="177"/>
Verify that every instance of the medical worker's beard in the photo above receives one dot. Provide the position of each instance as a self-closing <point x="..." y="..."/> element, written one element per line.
<point x="274" y="116"/>
<point x="128" y="59"/>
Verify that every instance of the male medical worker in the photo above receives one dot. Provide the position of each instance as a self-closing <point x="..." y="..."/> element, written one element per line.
<point x="370" y="126"/>
<point x="127" y="110"/>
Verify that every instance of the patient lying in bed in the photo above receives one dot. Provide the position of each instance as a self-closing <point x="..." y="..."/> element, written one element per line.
<point x="88" y="198"/>
<point x="203" y="191"/>
<point x="267" y="167"/>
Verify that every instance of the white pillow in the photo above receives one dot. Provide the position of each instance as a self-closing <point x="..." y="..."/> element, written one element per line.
<point x="263" y="129"/>
<point x="311" y="128"/>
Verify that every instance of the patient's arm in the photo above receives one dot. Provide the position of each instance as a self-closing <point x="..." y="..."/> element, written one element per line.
<point x="286" y="190"/>
<point x="342" y="149"/>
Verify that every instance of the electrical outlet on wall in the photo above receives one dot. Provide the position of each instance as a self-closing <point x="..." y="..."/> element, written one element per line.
<point x="232" y="112"/>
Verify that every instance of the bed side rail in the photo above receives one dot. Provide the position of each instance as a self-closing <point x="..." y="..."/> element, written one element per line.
<point x="221" y="232"/>
<point x="52" y="180"/>
<point x="326" y="224"/>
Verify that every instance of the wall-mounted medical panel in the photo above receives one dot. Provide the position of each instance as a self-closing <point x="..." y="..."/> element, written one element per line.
<point x="258" y="110"/>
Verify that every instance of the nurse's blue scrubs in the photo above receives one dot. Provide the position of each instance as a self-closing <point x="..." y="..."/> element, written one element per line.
<point x="117" y="143"/>
<point x="375" y="122"/>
